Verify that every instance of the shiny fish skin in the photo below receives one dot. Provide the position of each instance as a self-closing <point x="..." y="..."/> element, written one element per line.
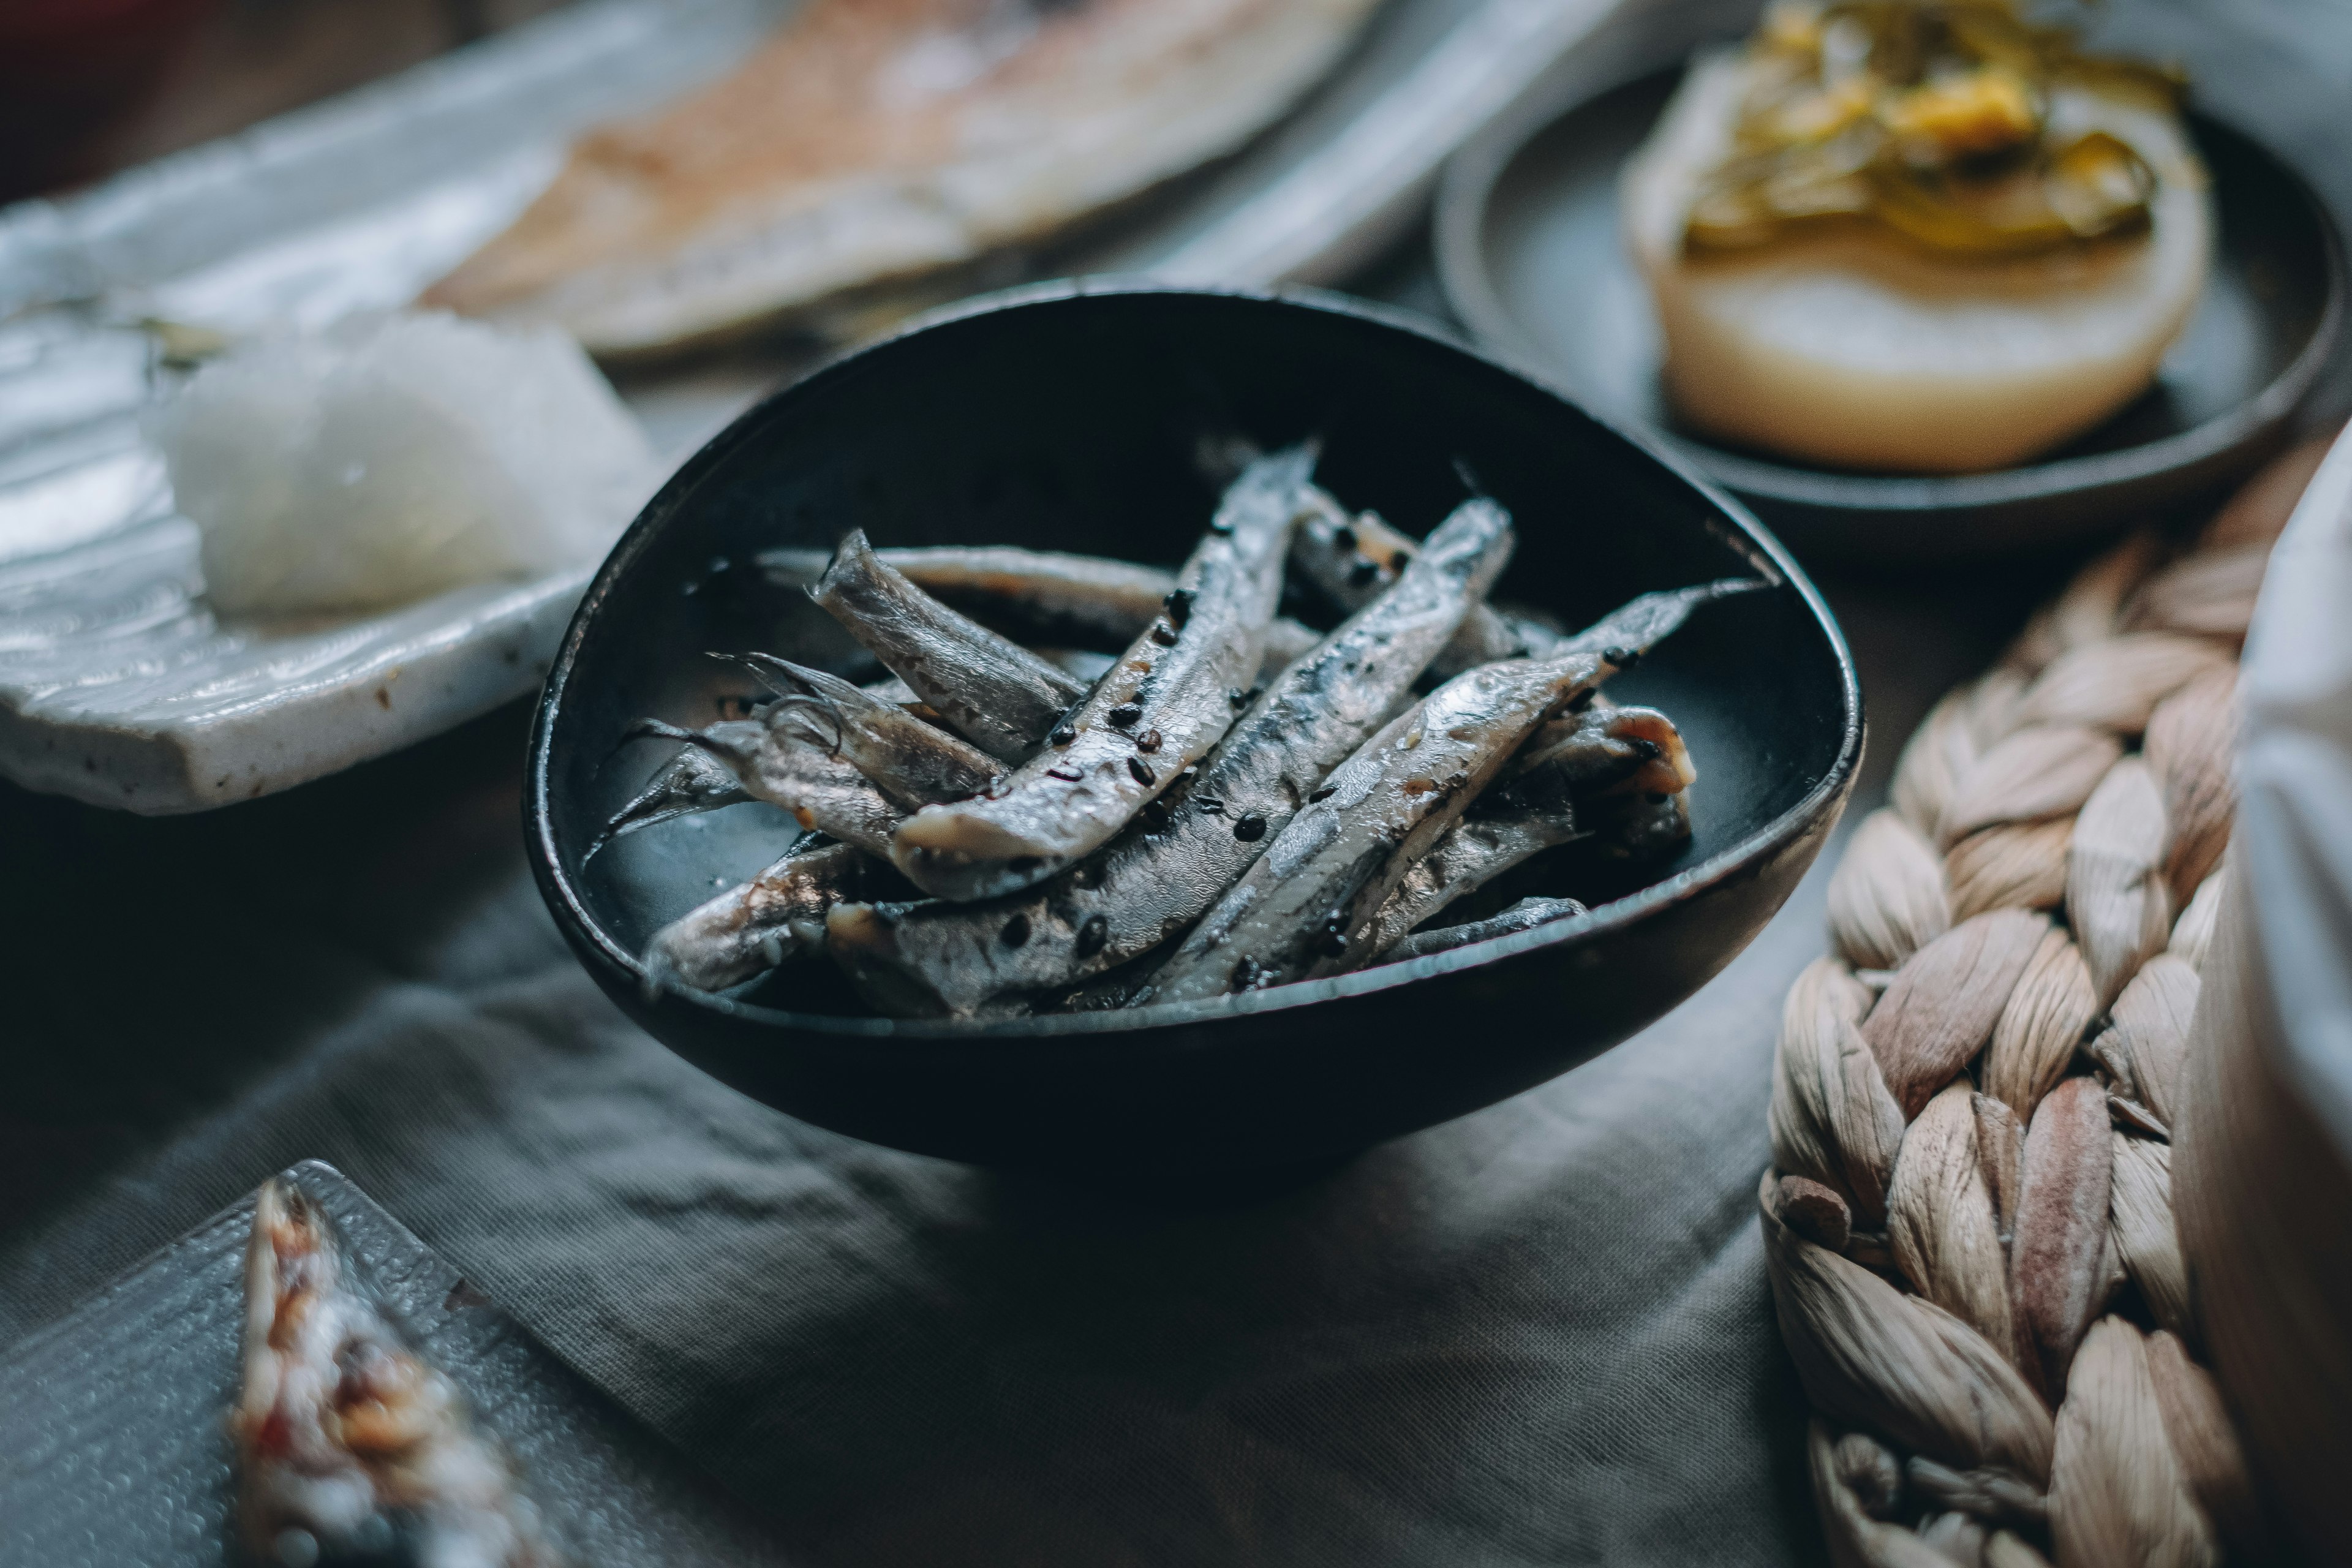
<point x="1148" y="884"/>
<point x="1342" y="856"/>
<point x="784" y="766"/>
<point x="1091" y="596"/>
<point x="1606" y="751"/>
<point x="748" y="930"/>
<point x="1640" y="623"/>
<point x="1525" y="915"/>
<point x="912" y="762"/>
<point x="692" y="781"/>
<point x="1169" y="699"/>
<point x="1351" y="557"/>
<point x="994" y="692"/>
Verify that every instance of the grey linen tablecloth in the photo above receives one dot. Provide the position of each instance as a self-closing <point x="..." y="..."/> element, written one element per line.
<point x="1537" y="1334"/>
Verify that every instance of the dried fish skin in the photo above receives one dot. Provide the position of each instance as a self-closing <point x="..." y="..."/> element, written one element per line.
<point x="1525" y="915"/>
<point x="1157" y="878"/>
<point x="1351" y="558"/>
<point x="874" y="140"/>
<point x="1092" y="599"/>
<point x="693" y="780"/>
<point x="775" y="761"/>
<point x="1302" y="910"/>
<point x="912" y="762"/>
<point x="777" y="915"/>
<point x="994" y="692"/>
<point x="1171" y="697"/>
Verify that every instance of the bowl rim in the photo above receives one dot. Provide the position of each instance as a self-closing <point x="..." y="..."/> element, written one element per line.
<point x="1744" y="532"/>
<point x="1466" y="196"/>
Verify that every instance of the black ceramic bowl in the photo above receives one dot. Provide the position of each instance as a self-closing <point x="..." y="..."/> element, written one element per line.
<point x="1067" y="417"/>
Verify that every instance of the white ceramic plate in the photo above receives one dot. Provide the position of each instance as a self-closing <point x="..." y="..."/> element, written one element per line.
<point x="118" y="683"/>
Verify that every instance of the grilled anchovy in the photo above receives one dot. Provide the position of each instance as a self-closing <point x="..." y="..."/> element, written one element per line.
<point x="912" y="762"/>
<point x="1089" y="596"/>
<point x="1605" y="751"/>
<point x="694" y="780"/>
<point x="996" y="693"/>
<point x="1525" y="915"/>
<point x="1156" y="878"/>
<point x="1351" y="557"/>
<point x="775" y="758"/>
<point x="1639" y="622"/>
<point x="747" y="930"/>
<point x="1291" y="916"/>
<point x="1175" y="691"/>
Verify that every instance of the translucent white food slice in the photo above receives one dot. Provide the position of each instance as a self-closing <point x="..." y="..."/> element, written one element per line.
<point x="1862" y="351"/>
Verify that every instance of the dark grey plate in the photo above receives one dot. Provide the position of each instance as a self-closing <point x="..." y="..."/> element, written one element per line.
<point x="1066" y="417"/>
<point x="113" y="1452"/>
<point x="1531" y="257"/>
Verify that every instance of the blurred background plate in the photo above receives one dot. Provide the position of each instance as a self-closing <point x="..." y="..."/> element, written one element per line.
<point x="1532" y="259"/>
<point x="117" y="1452"/>
<point x="118" y="684"/>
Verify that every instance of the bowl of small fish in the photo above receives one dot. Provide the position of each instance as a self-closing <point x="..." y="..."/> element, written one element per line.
<point x="1115" y="727"/>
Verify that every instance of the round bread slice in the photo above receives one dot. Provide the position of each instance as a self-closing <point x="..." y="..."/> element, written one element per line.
<point x="1862" y="349"/>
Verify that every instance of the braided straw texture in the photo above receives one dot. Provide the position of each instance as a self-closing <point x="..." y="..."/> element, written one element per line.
<point x="1969" y="1222"/>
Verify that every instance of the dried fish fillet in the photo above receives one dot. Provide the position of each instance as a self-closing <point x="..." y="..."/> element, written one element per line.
<point x="1351" y="557"/>
<point x="1292" y="916"/>
<point x="1175" y="692"/>
<point x="872" y="140"/>
<point x="997" y="694"/>
<point x="350" y="1447"/>
<point x="1158" y="878"/>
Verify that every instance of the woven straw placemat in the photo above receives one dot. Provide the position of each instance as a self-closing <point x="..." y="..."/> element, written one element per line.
<point x="1968" y="1220"/>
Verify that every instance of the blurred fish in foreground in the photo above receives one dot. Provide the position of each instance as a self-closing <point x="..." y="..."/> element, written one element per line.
<point x="876" y="140"/>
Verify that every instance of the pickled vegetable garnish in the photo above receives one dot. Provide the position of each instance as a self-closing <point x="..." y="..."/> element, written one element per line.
<point x="1931" y="119"/>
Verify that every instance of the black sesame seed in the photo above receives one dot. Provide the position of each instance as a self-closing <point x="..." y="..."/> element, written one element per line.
<point x="1326" y="793"/>
<point x="1179" y="605"/>
<point x="1344" y="537"/>
<point x="1165" y="636"/>
<point x="1648" y="750"/>
<point x="1066" y="774"/>
<point x="1211" y="805"/>
<point x="1364" y="574"/>
<point x="1237" y="698"/>
<point x="1123" y="715"/>
<point x="1251" y="827"/>
<point x="1154" y="815"/>
<point x="1094" y="936"/>
<point x="1142" y="773"/>
<point x="1148" y="742"/>
<point x="1063" y="734"/>
<point x="1622" y="658"/>
<point x="1015" y="931"/>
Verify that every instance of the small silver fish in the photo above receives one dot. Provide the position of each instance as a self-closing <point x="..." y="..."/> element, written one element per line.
<point x="1092" y="597"/>
<point x="748" y="930"/>
<point x="1291" y="916"/>
<point x="994" y="692"/>
<point x="1525" y="915"/>
<point x="693" y="780"/>
<point x="1605" y="751"/>
<point x="779" y="762"/>
<point x="1157" y="877"/>
<point x="912" y="762"/>
<point x="1174" y="693"/>
<point x="1351" y="557"/>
